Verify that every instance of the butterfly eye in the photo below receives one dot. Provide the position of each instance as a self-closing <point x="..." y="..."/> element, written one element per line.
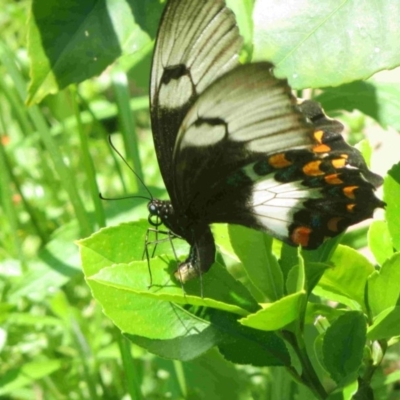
<point x="153" y="209"/>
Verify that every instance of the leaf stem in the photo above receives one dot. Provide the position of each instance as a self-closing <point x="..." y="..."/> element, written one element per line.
<point x="308" y="376"/>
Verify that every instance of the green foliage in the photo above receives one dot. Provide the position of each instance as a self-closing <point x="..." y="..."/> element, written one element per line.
<point x="267" y="321"/>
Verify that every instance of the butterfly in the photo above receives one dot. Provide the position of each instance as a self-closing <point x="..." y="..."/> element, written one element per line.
<point x="233" y="145"/>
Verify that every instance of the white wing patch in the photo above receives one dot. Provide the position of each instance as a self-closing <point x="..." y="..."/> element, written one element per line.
<point x="200" y="137"/>
<point x="256" y="108"/>
<point x="274" y="203"/>
<point x="201" y="36"/>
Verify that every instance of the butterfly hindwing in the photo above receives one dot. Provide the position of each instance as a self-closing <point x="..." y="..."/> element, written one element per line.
<point x="246" y="154"/>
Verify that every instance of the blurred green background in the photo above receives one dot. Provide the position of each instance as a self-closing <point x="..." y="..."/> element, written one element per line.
<point x="55" y="158"/>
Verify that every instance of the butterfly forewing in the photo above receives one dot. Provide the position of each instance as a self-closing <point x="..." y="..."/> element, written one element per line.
<point x="197" y="42"/>
<point x="243" y="116"/>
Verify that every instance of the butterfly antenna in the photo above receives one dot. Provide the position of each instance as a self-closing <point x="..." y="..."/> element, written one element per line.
<point x="134" y="172"/>
<point x="123" y="198"/>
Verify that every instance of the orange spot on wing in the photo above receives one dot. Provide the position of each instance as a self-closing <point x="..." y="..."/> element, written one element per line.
<point x="312" y="168"/>
<point x="333" y="224"/>
<point x="339" y="162"/>
<point x="350" y="207"/>
<point x="321" y="148"/>
<point x="279" y="161"/>
<point x="318" y="135"/>
<point x="333" y="179"/>
<point x="301" y="236"/>
<point x="349" y="191"/>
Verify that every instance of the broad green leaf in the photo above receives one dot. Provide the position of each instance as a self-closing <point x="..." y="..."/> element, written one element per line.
<point x="219" y="378"/>
<point x="244" y="345"/>
<point x="132" y="313"/>
<point x="222" y="238"/>
<point x="378" y="100"/>
<point x="289" y="258"/>
<point x="254" y="249"/>
<point x="391" y="190"/>
<point x="220" y="290"/>
<point x="314" y="272"/>
<point x="379" y="241"/>
<point x="386" y="325"/>
<point x="183" y="348"/>
<point x="324" y="252"/>
<point x="237" y="343"/>
<point x="346" y="281"/>
<point x="384" y="287"/>
<point x="343" y="346"/>
<point x="123" y="290"/>
<point x="345" y="40"/>
<point x="276" y="315"/>
<point x="72" y="41"/>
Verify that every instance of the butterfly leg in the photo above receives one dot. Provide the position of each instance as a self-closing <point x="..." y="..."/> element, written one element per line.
<point x="170" y="236"/>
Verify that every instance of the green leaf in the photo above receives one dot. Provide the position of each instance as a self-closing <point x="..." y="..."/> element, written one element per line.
<point x="276" y="315"/>
<point x="378" y="100"/>
<point x="220" y="290"/>
<point x="391" y="190"/>
<point x="243" y="10"/>
<point x="383" y="287"/>
<point x="72" y="41"/>
<point x="222" y="237"/>
<point x="183" y="348"/>
<point x="300" y="38"/>
<point x="219" y="378"/>
<point x="122" y="288"/>
<point x="245" y="345"/>
<point x="237" y="343"/>
<point x="314" y="272"/>
<point x="346" y="281"/>
<point x="343" y="346"/>
<point x="316" y="310"/>
<point x="296" y="280"/>
<point x="347" y="392"/>
<point x="379" y="241"/>
<point x="386" y="325"/>
<point x="254" y="249"/>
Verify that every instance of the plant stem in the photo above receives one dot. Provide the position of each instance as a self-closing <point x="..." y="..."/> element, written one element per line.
<point x="308" y="376"/>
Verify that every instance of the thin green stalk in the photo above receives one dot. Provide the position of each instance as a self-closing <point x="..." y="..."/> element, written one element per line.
<point x="132" y="382"/>
<point x="29" y="209"/>
<point x="10" y="211"/>
<point x="120" y="84"/>
<point x="19" y="112"/>
<point x="104" y="134"/>
<point x="180" y="376"/>
<point x="39" y="122"/>
<point x="88" y="165"/>
<point x="86" y="357"/>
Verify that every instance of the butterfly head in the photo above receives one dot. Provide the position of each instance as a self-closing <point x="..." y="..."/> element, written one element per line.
<point x="161" y="212"/>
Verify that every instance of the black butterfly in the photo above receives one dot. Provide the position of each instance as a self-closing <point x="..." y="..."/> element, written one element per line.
<point x="234" y="147"/>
